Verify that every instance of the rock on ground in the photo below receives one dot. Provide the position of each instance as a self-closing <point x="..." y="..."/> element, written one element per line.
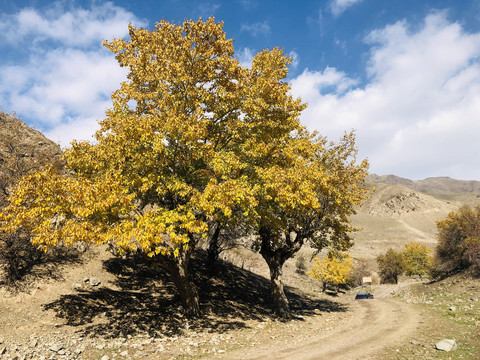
<point x="446" y="345"/>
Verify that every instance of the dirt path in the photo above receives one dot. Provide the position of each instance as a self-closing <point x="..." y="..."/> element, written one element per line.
<point x="376" y="324"/>
<point x="423" y="236"/>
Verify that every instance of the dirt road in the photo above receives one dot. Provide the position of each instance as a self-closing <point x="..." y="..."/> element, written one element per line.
<point x="375" y="325"/>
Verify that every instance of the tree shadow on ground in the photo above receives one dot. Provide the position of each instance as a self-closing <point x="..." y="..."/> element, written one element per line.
<point x="22" y="264"/>
<point x="146" y="301"/>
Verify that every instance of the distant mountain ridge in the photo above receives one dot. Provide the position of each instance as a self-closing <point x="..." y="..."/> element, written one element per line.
<point x="432" y="185"/>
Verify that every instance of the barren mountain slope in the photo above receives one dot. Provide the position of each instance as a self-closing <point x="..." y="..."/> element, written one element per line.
<point x="432" y="185"/>
<point x="396" y="215"/>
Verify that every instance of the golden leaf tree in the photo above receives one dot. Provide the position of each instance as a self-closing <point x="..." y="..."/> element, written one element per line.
<point x="418" y="260"/>
<point x="164" y="164"/>
<point x="306" y="187"/>
<point x="336" y="269"/>
<point x="194" y="143"/>
<point x="306" y="197"/>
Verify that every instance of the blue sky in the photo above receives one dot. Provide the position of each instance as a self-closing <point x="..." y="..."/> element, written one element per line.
<point x="404" y="74"/>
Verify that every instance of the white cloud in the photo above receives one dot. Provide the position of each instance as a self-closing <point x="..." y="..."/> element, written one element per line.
<point x="249" y="4"/>
<point x="256" y="29"/>
<point x="418" y="114"/>
<point x="65" y="83"/>
<point x="339" y="6"/>
<point x="245" y="57"/>
<point x="79" y="128"/>
<point x="295" y="59"/>
<point x="206" y="9"/>
<point x="77" y="27"/>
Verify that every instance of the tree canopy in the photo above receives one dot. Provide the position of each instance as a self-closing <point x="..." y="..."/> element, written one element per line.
<point x="194" y="141"/>
<point x="418" y="260"/>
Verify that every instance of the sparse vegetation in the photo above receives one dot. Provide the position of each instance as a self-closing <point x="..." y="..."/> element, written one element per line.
<point x="450" y="309"/>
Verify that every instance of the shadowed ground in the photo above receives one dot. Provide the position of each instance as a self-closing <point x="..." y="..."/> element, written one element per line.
<point x="145" y="300"/>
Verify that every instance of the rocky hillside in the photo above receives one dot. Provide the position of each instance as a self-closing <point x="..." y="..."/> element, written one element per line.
<point x="402" y="210"/>
<point x="396" y="214"/>
<point x="21" y="150"/>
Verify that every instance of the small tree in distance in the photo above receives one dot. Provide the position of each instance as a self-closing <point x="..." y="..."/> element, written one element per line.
<point x="391" y="265"/>
<point x="300" y="264"/>
<point x="335" y="269"/>
<point x="418" y="260"/>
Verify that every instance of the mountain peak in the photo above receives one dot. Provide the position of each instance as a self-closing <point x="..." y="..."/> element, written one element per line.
<point x="431" y="185"/>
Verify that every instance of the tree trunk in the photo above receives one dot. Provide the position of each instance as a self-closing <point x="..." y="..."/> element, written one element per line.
<point x="276" y="252"/>
<point x="178" y="269"/>
<point x="186" y="289"/>
<point x="281" y="306"/>
<point x="213" y="251"/>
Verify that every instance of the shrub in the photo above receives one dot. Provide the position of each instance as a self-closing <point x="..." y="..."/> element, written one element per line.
<point x="361" y="269"/>
<point x="17" y="256"/>
<point x="458" y="242"/>
<point x="391" y="265"/>
<point x="418" y="260"/>
<point x="300" y="264"/>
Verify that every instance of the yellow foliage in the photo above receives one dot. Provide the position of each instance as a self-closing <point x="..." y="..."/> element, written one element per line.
<point x="171" y="153"/>
<point x="192" y="137"/>
<point x="418" y="260"/>
<point x="335" y="270"/>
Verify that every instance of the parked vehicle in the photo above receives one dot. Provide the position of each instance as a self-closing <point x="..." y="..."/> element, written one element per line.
<point x="363" y="295"/>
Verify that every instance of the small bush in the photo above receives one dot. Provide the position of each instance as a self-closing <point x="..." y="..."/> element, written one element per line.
<point x="301" y="264"/>
<point x="21" y="262"/>
<point x="360" y="270"/>
<point x="17" y="256"/>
